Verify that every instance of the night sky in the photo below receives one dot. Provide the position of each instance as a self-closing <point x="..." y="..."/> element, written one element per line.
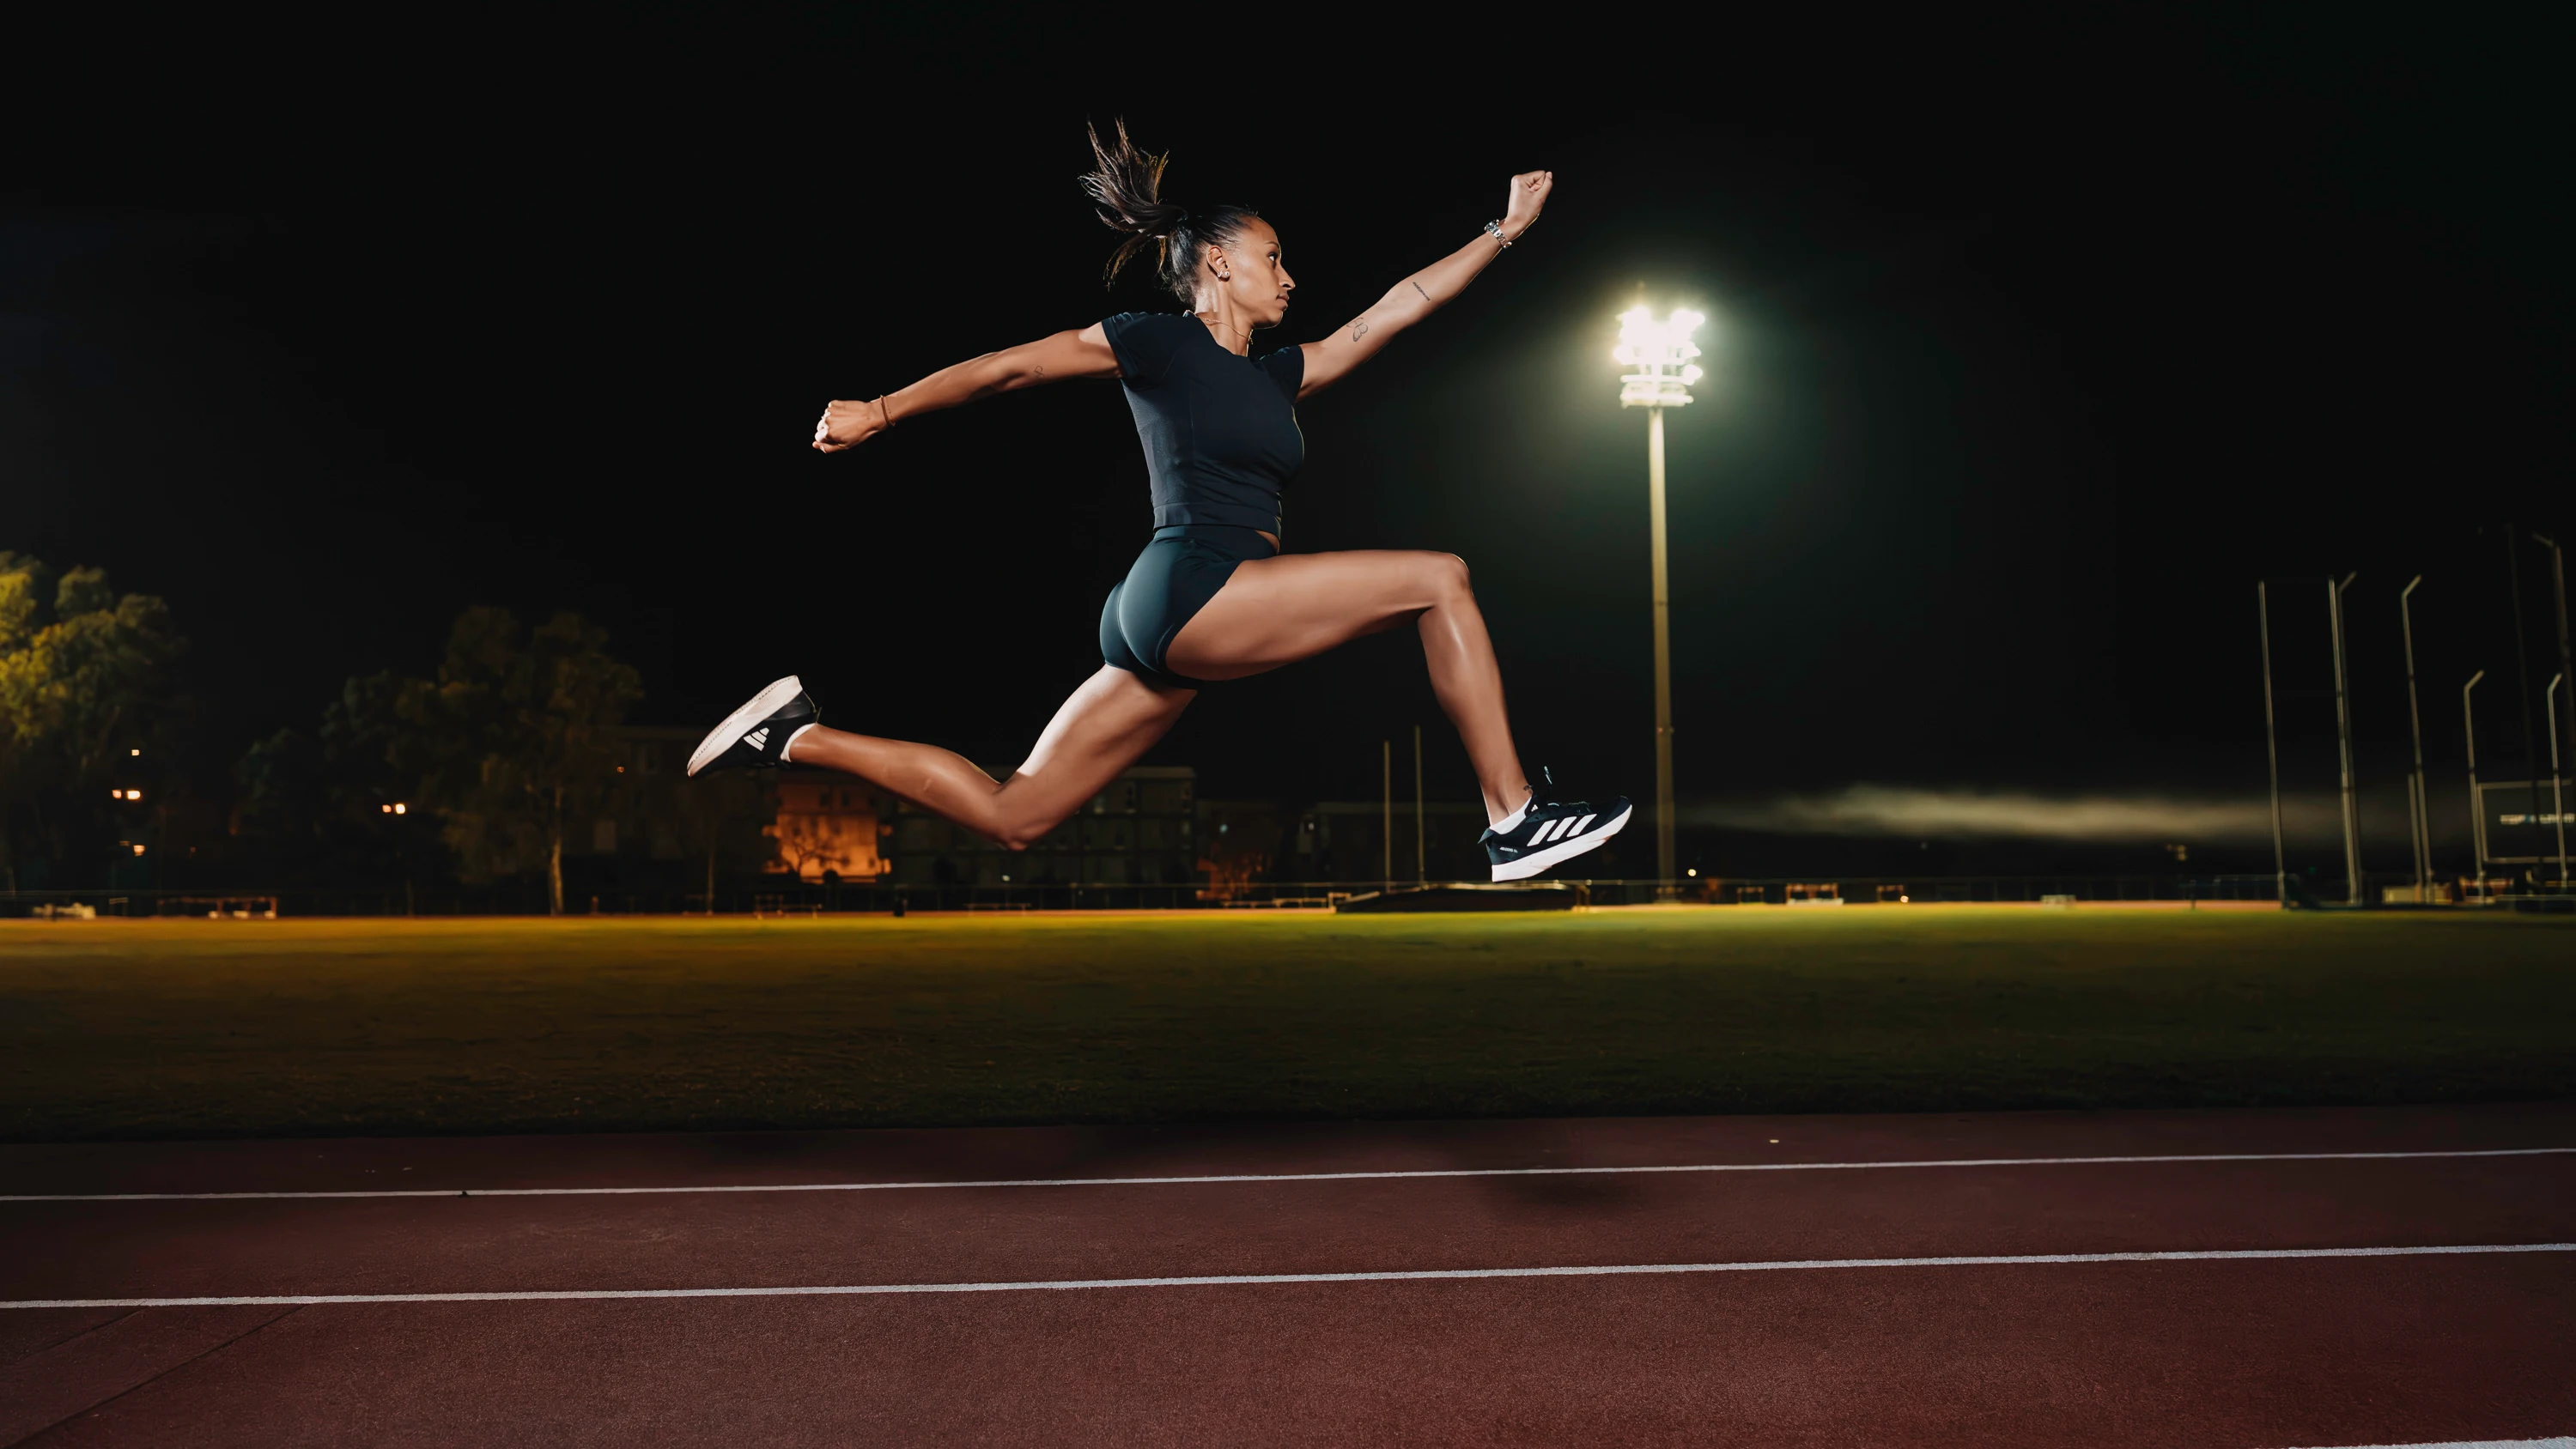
<point x="2032" y="349"/>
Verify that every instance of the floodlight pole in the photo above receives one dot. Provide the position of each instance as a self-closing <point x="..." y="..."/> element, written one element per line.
<point x="1661" y="353"/>
<point x="1664" y="873"/>
<point x="2557" y="790"/>
<point x="2477" y="805"/>
<point x="2272" y="745"/>
<point x="2418" y="815"/>
<point x="2343" y="727"/>
<point x="1421" y="872"/>
<point x="2566" y="662"/>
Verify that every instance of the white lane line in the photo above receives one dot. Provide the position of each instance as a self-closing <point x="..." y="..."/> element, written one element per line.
<point x="1279" y="1176"/>
<point x="1240" y="1279"/>
<point x="2561" y="1442"/>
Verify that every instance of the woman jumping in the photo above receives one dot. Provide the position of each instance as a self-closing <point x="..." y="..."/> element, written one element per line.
<point x="1211" y="598"/>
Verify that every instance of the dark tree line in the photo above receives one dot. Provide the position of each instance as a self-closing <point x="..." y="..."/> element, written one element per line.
<point x="475" y="772"/>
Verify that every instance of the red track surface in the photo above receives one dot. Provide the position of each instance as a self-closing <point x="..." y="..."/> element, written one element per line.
<point x="2274" y="1352"/>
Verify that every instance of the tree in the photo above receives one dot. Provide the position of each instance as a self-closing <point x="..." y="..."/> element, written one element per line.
<point x="516" y="736"/>
<point x="336" y="803"/>
<point x="84" y="687"/>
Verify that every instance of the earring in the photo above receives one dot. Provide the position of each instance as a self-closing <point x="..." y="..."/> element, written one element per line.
<point x="1225" y="276"/>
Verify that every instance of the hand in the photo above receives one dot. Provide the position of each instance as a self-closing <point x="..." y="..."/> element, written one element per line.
<point x="1529" y="197"/>
<point x="847" y="424"/>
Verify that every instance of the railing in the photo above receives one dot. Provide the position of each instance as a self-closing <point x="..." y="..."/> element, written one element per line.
<point x="777" y="898"/>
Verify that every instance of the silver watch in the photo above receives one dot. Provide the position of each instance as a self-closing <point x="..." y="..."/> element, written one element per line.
<point x="1495" y="229"/>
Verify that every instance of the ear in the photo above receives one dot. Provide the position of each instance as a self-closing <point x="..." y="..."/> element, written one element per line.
<point x="1215" y="258"/>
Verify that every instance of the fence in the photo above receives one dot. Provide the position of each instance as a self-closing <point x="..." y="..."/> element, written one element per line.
<point x="774" y="897"/>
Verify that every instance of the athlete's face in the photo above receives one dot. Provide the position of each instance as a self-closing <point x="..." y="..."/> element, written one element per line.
<point x="1249" y="273"/>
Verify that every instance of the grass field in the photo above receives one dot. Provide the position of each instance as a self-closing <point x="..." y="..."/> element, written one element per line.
<point x="155" y="1029"/>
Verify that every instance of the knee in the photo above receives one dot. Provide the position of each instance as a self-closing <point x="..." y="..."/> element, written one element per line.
<point x="1019" y="831"/>
<point x="1448" y="576"/>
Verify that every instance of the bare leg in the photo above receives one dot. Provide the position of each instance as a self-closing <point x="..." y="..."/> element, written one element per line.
<point x="1276" y="611"/>
<point x="1099" y="731"/>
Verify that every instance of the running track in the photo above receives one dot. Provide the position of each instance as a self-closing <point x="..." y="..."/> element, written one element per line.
<point x="2245" y="1279"/>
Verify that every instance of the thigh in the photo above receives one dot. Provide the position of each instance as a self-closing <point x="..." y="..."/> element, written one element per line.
<point x="1276" y="611"/>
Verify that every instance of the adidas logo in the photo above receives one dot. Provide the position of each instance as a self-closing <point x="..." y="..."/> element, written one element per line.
<point x="1562" y="828"/>
<point x="758" y="739"/>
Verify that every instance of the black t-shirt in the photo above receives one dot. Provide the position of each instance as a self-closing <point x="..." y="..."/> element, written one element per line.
<point x="1220" y="431"/>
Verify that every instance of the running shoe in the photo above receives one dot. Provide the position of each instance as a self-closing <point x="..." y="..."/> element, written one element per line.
<point x="1551" y="831"/>
<point x="756" y="735"/>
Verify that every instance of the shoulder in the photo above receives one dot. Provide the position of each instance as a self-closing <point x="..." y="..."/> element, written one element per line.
<point x="1286" y="367"/>
<point x="1146" y="341"/>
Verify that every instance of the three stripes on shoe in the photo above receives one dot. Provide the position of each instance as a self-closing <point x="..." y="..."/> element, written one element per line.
<point x="1560" y="829"/>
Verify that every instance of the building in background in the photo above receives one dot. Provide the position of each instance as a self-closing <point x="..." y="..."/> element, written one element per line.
<point x="829" y="827"/>
<point x="1347" y="840"/>
<point x="1142" y="830"/>
<point x="661" y="831"/>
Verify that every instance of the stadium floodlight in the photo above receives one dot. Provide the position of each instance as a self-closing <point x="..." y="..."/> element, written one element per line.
<point x="1660" y="353"/>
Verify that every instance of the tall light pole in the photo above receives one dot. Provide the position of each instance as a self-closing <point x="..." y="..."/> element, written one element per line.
<point x="2557" y="791"/>
<point x="2272" y="744"/>
<point x="2419" y="818"/>
<point x="2343" y="726"/>
<point x="2558" y="584"/>
<point x="1660" y="353"/>
<point x="2477" y="806"/>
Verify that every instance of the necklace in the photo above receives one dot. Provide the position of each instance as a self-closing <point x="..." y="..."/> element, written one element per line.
<point x="1212" y="318"/>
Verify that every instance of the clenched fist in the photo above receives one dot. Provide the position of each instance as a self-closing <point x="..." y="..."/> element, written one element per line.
<point x="1529" y="197"/>
<point x="847" y="424"/>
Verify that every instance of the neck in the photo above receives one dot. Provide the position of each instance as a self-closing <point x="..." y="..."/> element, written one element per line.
<point x="1230" y="331"/>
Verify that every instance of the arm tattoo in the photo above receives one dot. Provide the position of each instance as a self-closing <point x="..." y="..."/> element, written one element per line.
<point x="1359" y="329"/>
<point x="1417" y="291"/>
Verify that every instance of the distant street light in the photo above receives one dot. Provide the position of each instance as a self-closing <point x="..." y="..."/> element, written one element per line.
<point x="2557" y="790"/>
<point x="2271" y="743"/>
<point x="2419" y="815"/>
<point x="2343" y="729"/>
<point x="1660" y="353"/>
<point x="2477" y="805"/>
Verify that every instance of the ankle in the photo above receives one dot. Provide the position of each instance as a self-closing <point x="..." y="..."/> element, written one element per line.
<point x="787" y="751"/>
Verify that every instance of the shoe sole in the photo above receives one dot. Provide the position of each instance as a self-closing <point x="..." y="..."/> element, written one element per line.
<point x="1531" y="864"/>
<point x="739" y="723"/>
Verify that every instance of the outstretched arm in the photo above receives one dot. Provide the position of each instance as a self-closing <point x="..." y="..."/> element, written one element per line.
<point x="1423" y="293"/>
<point x="1085" y="353"/>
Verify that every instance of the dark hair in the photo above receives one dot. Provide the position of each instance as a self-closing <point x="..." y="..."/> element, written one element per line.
<point x="1126" y="188"/>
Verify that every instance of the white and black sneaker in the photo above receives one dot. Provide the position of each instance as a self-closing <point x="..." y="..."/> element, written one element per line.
<point x="1549" y="831"/>
<point x="756" y="735"/>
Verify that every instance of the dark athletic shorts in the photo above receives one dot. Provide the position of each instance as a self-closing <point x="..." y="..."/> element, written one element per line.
<point x="1169" y="583"/>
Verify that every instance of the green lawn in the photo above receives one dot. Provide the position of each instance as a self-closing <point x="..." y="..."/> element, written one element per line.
<point x="125" y="1029"/>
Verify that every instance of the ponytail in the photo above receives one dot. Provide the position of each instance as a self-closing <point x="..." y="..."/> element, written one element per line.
<point x="1125" y="187"/>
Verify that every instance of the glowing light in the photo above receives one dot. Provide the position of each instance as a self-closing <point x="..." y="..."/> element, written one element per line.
<point x="138" y="850"/>
<point x="134" y="752"/>
<point x="1661" y="353"/>
<point x="400" y="807"/>
<point x="1693" y="871"/>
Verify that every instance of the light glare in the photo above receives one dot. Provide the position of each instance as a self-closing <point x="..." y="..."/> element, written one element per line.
<point x="1661" y="353"/>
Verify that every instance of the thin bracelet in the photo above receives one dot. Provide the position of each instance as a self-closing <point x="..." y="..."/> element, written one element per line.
<point x="885" y="412"/>
<point x="1495" y="229"/>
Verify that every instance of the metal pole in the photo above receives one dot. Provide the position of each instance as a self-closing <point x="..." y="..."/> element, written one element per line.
<point x="2557" y="791"/>
<point x="2272" y="745"/>
<point x="1664" y="872"/>
<point x="2418" y="817"/>
<point x="2477" y="806"/>
<point x="1421" y="873"/>
<point x="2343" y="727"/>
<point x="2522" y="672"/>
<point x="2566" y="663"/>
<point x="1386" y="835"/>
